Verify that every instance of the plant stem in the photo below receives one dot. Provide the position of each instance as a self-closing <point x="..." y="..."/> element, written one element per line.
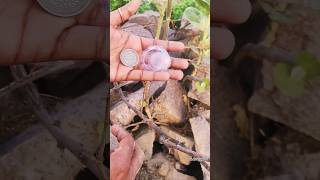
<point x="165" y="139"/>
<point x="165" y="27"/>
<point x="160" y="22"/>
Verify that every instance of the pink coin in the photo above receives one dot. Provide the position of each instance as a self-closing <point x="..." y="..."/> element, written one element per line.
<point x="155" y="58"/>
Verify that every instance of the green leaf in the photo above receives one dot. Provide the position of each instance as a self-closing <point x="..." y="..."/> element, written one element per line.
<point x="309" y="64"/>
<point x="202" y="85"/>
<point x="196" y="18"/>
<point x="289" y="82"/>
<point x="179" y="7"/>
<point x="204" y="6"/>
<point x="193" y="15"/>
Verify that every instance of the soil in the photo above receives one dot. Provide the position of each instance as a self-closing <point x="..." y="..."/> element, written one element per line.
<point x="251" y="145"/>
<point x="16" y="116"/>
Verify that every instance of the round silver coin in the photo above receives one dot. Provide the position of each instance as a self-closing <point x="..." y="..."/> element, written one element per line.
<point x="64" y="8"/>
<point x="129" y="57"/>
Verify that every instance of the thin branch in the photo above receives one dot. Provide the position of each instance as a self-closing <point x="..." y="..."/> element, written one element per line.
<point x="33" y="97"/>
<point x="172" y="142"/>
<point x="32" y="77"/>
<point x="121" y="85"/>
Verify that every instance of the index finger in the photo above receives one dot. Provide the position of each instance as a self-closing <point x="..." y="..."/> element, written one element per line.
<point x="168" y="45"/>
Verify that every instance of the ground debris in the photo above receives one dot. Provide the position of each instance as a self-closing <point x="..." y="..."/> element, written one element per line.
<point x="145" y="141"/>
<point x="188" y="142"/>
<point x="300" y="113"/>
<point x="120" y="112"/>
<point x="201" y="133"/>
<point x="169" y="107"/>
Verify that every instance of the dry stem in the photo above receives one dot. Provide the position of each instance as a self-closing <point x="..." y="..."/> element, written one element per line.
<point x="169" y="142"/>
<point x="34" y="100"/>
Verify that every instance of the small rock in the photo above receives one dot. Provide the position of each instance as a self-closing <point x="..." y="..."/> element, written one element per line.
<point x="188" y="142"/>
<point x="169" y="107"/>
<point x="164" y="169"/>
<point x="121" y="114"/>
<point x="180" y="166"/>
<point x="145" y="140"/>
<point x="201" y="133"/>
<point x="148" y="19"/>
<point x="156" y="161"/>
<point x="175" y="175"/>
<point x="136" y="29"/>
<point x="205" y="114"/>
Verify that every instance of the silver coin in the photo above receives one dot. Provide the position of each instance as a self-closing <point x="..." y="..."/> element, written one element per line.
<point x="129" y="57"/>
<point x="64" y="8"/>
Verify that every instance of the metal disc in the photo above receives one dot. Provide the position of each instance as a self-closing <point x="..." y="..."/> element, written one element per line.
<point x="64" y="8"/>
<point x="129" y="57"/>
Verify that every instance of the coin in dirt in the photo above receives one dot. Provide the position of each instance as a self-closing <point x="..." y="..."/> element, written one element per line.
<point x="129" y="57"/>
<point x="64" y="8"/>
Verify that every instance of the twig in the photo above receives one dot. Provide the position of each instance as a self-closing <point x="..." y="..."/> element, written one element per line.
<point x="178" y="147"/>
<point x="259" y="52"/>
<point x="121" y="85"/>
<point x="34" y="100"/>
<point x="134" y="124"/>
<point x="173" y="143"/>
<point x="165" y="26"/>
<point x="32" y="77"/>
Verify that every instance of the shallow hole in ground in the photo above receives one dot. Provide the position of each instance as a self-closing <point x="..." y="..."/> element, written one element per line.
<point x="194" y="169"/>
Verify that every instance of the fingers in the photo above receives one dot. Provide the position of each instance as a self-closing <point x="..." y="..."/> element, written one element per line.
<point x="142" y="75"/>
<point x="125" y="139"/>
<point x="224" y="42"/>
<point x="81" y="42"/>
<point x="168" y="45"/>
<point x="139" y="75"/>
<point x="126" y="11"/>
<point x="175" y="74"/>
<point x="126" y="145"/>
<point x="231" y="11"/>
<point x="179" y="63"/>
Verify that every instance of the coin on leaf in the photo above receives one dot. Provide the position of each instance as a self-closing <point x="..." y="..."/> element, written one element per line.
<point x="64" y="8"/>
<point x="129" y="57"/>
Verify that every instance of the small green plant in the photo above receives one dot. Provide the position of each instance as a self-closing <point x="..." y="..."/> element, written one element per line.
<point x="202" y="85"/>
<point x="115" y="4"/>
<point x="147" y="6"/>
<point x="292" y="79"/>
<point x="199" y="18"/>
<point x="179" y="7"/>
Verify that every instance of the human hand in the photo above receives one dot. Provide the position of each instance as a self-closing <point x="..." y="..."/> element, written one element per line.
<point x="127" y="159"/>
<point x="227" y="12"/>
<point x="30" y="34"/>
<point x="120" y="40"/>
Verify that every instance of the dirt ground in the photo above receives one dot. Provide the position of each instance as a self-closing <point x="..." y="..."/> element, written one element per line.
<point x="261" y="132"/>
